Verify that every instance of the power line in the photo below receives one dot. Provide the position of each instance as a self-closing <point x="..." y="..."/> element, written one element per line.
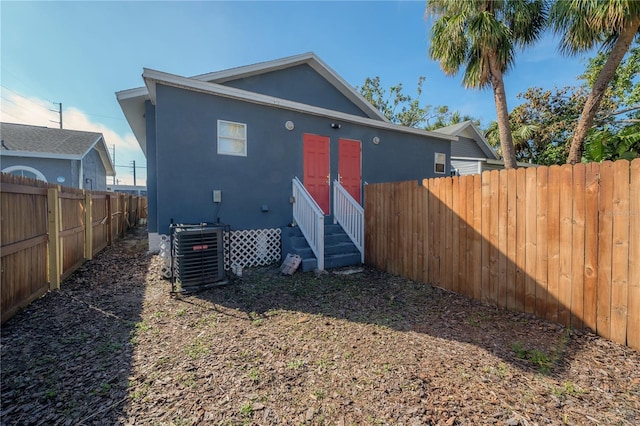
<point x="23" y="97"/>
<point x="130" y="166"/>
<point x="42" y="106"/>
<point x="4" y="112"/>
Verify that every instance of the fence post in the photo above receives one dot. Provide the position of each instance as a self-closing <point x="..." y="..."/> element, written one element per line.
<point x="88" y="225"/>
<point x="123" y="216"/>
<point x="109" y="219"/>
<point x="53" y="212"/>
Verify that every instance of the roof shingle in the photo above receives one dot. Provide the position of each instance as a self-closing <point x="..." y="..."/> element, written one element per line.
<point x="36" y="139"/>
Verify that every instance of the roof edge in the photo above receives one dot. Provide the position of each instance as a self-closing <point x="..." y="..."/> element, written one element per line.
<point x="152" y="77"/>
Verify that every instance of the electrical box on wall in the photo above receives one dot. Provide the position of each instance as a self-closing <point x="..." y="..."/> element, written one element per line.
<point x="217" y="196"/>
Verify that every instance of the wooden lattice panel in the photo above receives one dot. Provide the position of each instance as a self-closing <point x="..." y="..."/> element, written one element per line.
<point x="253" y="247"/>
<point x="165" y="255"/>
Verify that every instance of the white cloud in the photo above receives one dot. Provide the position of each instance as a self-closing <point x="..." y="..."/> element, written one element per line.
<point x="16" y="108"/>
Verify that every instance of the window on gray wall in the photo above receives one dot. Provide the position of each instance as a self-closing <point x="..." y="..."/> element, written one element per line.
<point x="25" y="171"/>
<point x="440" y="161"/>
<point x="232" y="138"/>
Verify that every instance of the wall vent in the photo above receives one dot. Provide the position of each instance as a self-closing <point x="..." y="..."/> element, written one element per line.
<point x="198" y="257"/>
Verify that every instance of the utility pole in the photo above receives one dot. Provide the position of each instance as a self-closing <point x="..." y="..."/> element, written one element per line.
<point x="114" y="163"/>
<point x="134" y="172"/>
<point x="59" y="111"/>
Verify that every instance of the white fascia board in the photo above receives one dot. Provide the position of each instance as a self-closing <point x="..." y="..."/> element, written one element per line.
<point x="151" y="77"/>
<point x="132" y="93"/>
<point x="345" y="88"/>
<point x="39" y="155"/>
<point x="469" y="158"/>
<point x="105" y="157"/>
<point x="132" y="104"/>
<point x="483" y="140"/>
<point x="518" y="163"/>
<point x="479" y="137"/>
<point x="254" y="69"/>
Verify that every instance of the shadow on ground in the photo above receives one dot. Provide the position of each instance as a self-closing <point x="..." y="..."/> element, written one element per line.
<point x="373" y="297"/>
<point x="66" y="359"/>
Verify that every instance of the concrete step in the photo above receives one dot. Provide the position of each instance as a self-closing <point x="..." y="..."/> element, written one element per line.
<point x="336" y="238"/>
<point x="309" y="264"/>
<point x="340" y="248"/>
<point x="331" y="228"/>
<point x="340" y="260"/>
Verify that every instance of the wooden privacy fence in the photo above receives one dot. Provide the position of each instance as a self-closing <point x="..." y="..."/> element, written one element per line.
<point x="560" y="242"/>
<point x="48" y="231"/>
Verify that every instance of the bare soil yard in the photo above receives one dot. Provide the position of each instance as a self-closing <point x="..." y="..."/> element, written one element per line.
<point x="113" y="347"/>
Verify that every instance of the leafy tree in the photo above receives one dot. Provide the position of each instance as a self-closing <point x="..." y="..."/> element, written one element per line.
<point x="543" y="124"/>
<point x="584" y="24"/>
<point x="406" y="110"/>
<point x="482" y="37"/>
<point x="608" y="145"/>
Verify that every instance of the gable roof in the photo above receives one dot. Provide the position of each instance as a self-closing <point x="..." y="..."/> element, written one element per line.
<point x="132" y="100"/>
<point x="153" y="77"/>
<point x="23" y="140"/>
<point x="308" y="58"/>
<point x="469" y="130"/>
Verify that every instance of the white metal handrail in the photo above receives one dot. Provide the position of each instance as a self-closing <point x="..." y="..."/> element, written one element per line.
<point x="310" y="218"/>
<point x="350" y="215"/>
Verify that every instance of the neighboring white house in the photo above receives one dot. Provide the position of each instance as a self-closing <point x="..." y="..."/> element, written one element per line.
<point x="471" y="153"/>
<point x="140" y="191"/>
<point x="68" y="157"/>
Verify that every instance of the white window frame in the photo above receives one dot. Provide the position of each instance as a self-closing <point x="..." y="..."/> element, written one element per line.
<point x="36" y="172"/>
<point x="443" y="157"/>
<point x="232" y="138"/>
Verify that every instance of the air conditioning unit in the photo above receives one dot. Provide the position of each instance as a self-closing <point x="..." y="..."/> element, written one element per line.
<point x="198" y="256"/>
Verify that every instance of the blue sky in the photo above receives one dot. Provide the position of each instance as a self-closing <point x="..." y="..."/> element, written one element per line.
<point x="81" y="53"/>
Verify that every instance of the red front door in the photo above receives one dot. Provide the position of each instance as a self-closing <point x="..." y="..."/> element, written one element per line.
<point x="316" y="169"/>
<point x="350" y="166"/>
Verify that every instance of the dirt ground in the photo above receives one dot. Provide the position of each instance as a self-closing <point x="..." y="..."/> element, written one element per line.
<point x="113" y="347"/>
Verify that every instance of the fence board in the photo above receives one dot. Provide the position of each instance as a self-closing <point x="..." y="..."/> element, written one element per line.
<point x="470" y="235"/>
<point x="461" y="268"/>
<point x="566" y="247"/>
<point x="511" y="240"/>
<point x="553" y="243"/>
<point x="476" y="260"/>
<point x="494" y="185"/>
<point x="503" y="226"/>
<point x="434" y="206"/>
<point x="531" y="241"/>
<point x="620" y="252"/>
<point x="485" y="239"/>
<point x="420" y="234"/>
<point x="577" y="246"/>
<point x="521" y="228"/>
<point x="454" y="263"/>
<point x="633" y="324"/>
<point x="446" y="196"/>
<point x="542" y="206"/>
<point x="592" y="189"/>
<point x="605" y="239"/>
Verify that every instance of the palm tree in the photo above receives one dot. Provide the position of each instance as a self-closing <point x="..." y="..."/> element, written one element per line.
<point x="583" y="25"/>
<point x="482" y="36"/>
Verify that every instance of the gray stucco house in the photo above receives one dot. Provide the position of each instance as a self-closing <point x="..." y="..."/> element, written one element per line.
<point x="67" y="157"/>
<point x="471" y="153"/>
<point x="228" y="146"/>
